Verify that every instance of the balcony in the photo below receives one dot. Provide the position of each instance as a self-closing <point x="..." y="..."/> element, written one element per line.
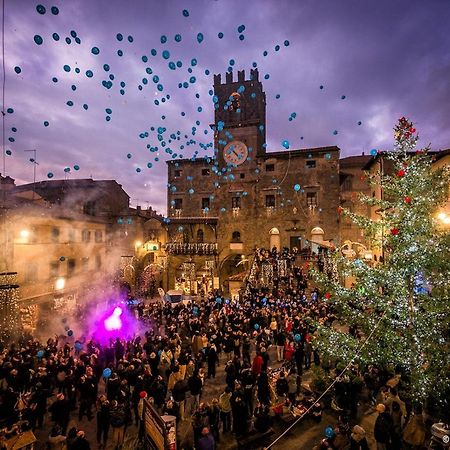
<point x="180" y="248"/>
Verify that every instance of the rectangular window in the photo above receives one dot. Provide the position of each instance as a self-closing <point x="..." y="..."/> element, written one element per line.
<point x="89" y="208"/>
<point x="178" y="203"/>
<point x="85" y="263"/>
<point x="98" y="261"/>
<point x="311" y="199"/>
<point x="347" y="184"/>
<point x="71" y="236"/>
<point x="235" y="202"/>
<point x="54" y="269"/>
<point x="86" y="236"/>
<point x="311" y="164"/>
<point x="98" y="236"/>
<point x="206" y="172"/>
<point x="71" y="264"/>
<point x="205" y="203"/>
<point x="242" y="176"/>
<point x="31" y="272"/>
<point x="55" y="234"/>
<point x="270" y="167"/>
<point x="270" y="201"/>
<point x="177" y="173"/>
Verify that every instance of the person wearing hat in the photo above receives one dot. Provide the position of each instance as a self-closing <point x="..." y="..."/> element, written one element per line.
<point x="358" y="439"/>
<point x="383" y="428"/>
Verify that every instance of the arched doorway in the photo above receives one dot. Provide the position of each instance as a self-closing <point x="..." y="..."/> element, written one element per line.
<point x="231" y="266"/>
<point x="275" y="239"/>
<point x="150" y="280"/>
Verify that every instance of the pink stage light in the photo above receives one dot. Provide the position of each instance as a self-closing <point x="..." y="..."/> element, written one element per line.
<point x="113" y="322"/>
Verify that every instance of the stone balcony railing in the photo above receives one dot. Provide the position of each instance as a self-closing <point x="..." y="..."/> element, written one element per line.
<point x="179" y="248"/>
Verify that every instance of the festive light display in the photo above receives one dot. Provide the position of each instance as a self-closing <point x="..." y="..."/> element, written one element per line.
<point x="412" y="324"/>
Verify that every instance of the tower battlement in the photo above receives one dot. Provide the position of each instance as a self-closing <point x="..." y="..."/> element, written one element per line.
<point x="229" y="77"/>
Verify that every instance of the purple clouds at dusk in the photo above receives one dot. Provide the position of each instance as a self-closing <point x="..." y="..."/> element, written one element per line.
<point x="387" y="58"/>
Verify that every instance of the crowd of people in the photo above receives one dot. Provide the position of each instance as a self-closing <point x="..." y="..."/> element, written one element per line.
<point x="170" y="365"/>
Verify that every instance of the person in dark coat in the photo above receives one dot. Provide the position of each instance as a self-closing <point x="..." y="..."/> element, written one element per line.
<point x="383" y="428"/>
<point x="212" y="359"/>
<point x="358" y="439"/>
<point x="240" y="417"/>
<point x="262" y="418"/>
<point x="207" y="441"/>
<point x="81" y="443"/>
<point x="103" y="421"/>
<point x="60" y="411"/>
<point x="263" y="388"/>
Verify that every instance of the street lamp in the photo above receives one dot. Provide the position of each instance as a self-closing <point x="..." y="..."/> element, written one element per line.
<point x="60" y="284"/>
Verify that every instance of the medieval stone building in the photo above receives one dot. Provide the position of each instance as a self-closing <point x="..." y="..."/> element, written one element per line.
<point x="220" y="209"/>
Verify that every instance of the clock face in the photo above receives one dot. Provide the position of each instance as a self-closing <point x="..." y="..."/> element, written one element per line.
<point x="235" y="152"/>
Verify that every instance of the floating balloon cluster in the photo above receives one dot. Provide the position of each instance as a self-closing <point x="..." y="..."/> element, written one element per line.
<point x="158" y="142"/>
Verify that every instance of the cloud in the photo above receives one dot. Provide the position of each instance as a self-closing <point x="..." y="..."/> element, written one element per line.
<point x="389" y="59"/>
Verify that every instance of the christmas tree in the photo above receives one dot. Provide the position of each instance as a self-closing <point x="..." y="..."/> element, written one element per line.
<point x="400" y="304"/>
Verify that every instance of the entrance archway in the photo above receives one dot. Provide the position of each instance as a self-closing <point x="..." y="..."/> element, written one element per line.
<point x="275" y="239"/>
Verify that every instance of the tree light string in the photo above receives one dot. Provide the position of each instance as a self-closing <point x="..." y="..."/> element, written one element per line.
<point x="330" y="386"/>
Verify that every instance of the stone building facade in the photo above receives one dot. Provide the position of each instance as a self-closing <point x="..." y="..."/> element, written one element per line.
<point x="220" y="209"/>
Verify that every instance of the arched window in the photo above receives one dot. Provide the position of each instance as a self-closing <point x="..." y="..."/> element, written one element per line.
<point x="200" y="236"/>
<point x="235" y="99"/>
<point x="236" y="236"/>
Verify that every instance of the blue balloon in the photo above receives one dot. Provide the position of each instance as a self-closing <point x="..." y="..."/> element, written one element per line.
<point x="256" y="326"/>
<point x="296" y="187"/>
<point x="297" y="338"/>
<point x="78" y="345"/>
<point x="285" y="144"/>
<point x="107" y="372"/>
<point x="40" y="354"/>
<point x="329" y="432"/>
<point x="373" y="152"/>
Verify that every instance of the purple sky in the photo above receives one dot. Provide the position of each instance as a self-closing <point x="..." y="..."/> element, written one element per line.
<point x="389" y="58"/>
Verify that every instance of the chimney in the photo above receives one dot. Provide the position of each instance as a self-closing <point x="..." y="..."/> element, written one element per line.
<point x="138" y="208"/>
<point x="362" y="153"/>
<point x="229" y="77"/>
<point x="241" y="76"/>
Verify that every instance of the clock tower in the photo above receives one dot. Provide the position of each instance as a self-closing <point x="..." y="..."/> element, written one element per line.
<point x="240" y="119"/>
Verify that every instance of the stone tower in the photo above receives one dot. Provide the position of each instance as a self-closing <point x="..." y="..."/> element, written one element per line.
<point x="240" y="118"/>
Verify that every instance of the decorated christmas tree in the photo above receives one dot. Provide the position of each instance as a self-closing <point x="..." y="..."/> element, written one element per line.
<point x="401" y="303"/>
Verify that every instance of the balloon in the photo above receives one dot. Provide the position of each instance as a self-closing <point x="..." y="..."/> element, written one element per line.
<point x="373" y="152"/>
<point x="286" y="43"/>
<point x="329" y="432"/>
<point x="297" y="338"/>
<point x="55" y="10"/>
<point x="17" y="69"/>
<point x="220" y="35"/>
<point x="95" y="50"/>
<point x="40" y="9"/>
<point x="256" y="326"/>
<point x="78" y="346"/>
<point x="40" y="354"/>
<point x="285" y="144"/>
<point x="107" y="373"/>
<point x="70" y="333"/>
<point x="185" y="13"/>
<point x="38" y="39"/>
<point x="296" y="187"/>
<point x="200" y="37"/>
